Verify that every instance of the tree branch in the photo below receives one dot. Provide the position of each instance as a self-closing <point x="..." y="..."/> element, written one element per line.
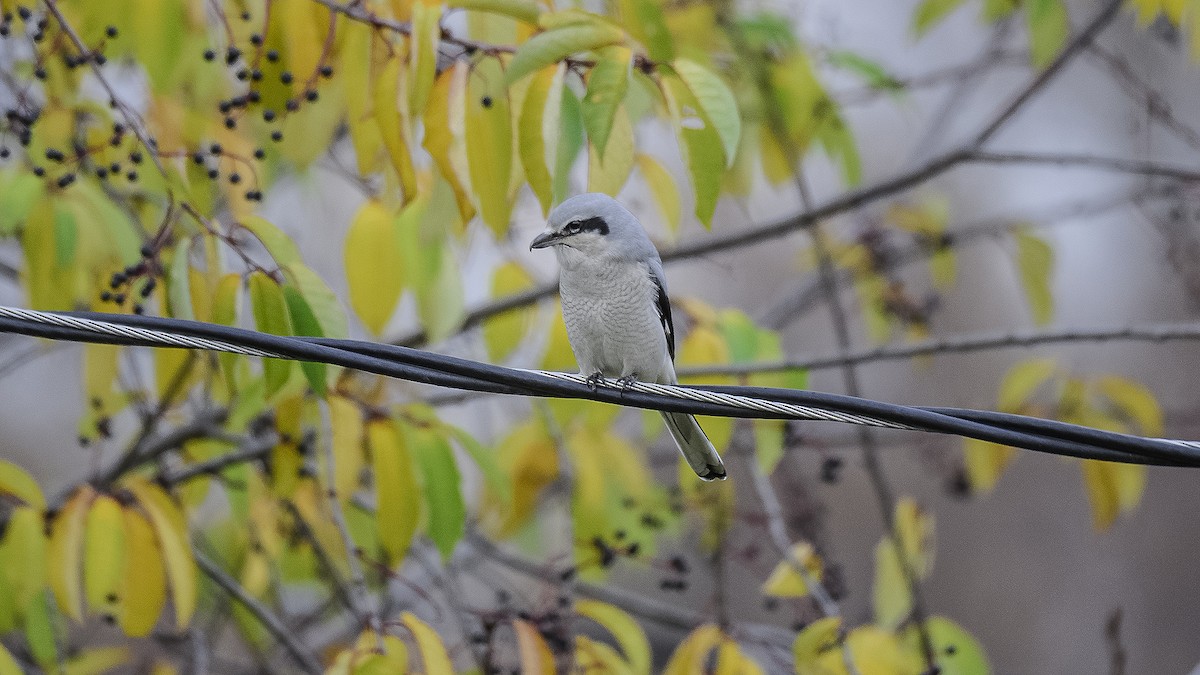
<point x="274" y="625"/>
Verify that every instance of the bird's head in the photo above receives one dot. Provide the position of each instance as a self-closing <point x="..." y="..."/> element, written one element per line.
<point x="593" y="226"/>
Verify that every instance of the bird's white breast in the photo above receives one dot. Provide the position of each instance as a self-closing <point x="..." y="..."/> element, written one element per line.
<point x="612" y="320"/>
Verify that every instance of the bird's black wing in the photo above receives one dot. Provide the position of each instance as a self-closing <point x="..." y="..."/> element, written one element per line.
<point x="663" y="304"/>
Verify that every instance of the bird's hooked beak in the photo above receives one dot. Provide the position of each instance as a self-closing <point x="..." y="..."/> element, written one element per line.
<point x="544" y="240"/>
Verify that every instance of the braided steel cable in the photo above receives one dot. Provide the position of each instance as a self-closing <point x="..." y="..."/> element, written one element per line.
<point x="742" y="402"/>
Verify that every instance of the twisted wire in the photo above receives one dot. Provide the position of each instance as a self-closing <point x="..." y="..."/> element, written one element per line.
<point x="731" y="401"/>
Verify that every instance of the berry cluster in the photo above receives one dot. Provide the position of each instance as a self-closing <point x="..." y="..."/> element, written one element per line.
<point x="123" y="286"/>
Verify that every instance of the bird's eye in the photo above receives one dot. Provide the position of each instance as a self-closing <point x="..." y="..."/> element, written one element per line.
<point x="572" y="227"/>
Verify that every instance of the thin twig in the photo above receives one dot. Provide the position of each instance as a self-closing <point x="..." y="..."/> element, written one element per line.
<point x="274" y="625"/>
<point x="1118" y="164"/>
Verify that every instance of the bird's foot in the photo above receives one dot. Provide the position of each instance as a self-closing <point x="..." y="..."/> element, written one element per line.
<point x="595" y="380"/>
<point x="626" y="383"/>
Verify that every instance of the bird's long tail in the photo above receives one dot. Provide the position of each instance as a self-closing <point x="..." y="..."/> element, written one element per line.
<point x="695" y="446"/>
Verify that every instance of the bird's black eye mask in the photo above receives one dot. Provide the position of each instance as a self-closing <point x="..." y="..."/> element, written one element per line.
<point x="594" y="224"/>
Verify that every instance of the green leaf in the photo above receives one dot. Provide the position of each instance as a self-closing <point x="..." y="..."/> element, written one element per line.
<point x="489" y="143"/>
<point x="306" y="324"/>
<point x="994" y="10"/>
<point x="485" y="459"/>
<point x="1035" y="262"/>
<point x="555" y="45"/>
<point x="321" y="299"/>
<point x="179" y="281"/>
<point x="539" y="132"/>
<point x="931" y="12"/>
<point x="521" y="10"/>
<point x="66" y="234"/>
<point x="443" y="494"/>
<point x="281" y="247"/>
<point x="717" y="104"/>
<point x="373" y="266"/>
<point x="873" y="72"/>
<point x="18" y="193"/>
<point x="1048" y="30"/>
<point x="40" y="634"/>
<point x="431" y="264"/>
<point x="270" y="316"/>
<point x="569" y="144"/>
<point x="606" y="86"/>
<point x="699" y="144"/>
<point x="892" y="595"/>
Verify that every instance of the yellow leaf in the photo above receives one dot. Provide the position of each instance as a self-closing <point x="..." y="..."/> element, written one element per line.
<point x="8" y="664"/>
<point x="429" y="645"/>
<point x="892" y="591"/>
<point x="877" y="652"/>
<point x="704" y="345"/>
<point x="596" y="657"/>
<point x="489" y="143"/>
<point x="699" y="144"/>
<point x="915" y="531"/>
<point x="502" y="334"/>
<point x="539" y="131"/>
<point x="96" y="661"/>
<point x="171" y="531"/>
<point x="607" y="173"/>
<point x="663" y="189"/>
<point x="398" y="497"/>
<point x="627" y="631"/>
<point x="445" y="133"/>
<point x="1021" y="381"/>
<point x="528" y="454"/>
<point x="786" y="581"/>
<point x="426" y="31"/>
<point x="1112" y="489"/>
<point x="985" y="461"/>
<point x="818" y="638"/>
<point x="957" y="651"/>
<point x="692" y="654"/>
<point x="64" y="554"/>
<point x="1035" y="262"/>
<point x="392" y="129"/>
<point x="22" y="561"/>
<point x="373" y="266"/>
<point x="1134" y="401"/>
<point x="536" y="657"/>
<point x="16" y="482"/>
<point x="144" y="582"/>
<point x="731" y="660"/>
<point x="104" y="555"/>
<point x="346" y="424"/>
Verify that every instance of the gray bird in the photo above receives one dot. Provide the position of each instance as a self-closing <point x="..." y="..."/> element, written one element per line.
<point x="615" y="306"/>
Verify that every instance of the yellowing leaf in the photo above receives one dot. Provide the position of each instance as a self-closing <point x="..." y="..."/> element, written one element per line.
<point x="1035" y="262"/>
<point x="716" y="103"/>
<point x="529" y="455"/>
<point x="606" y="86"/>
<point x="957" y="651"/>
<point x="984" y="463"/>
<point x="397" y="495"/>
<point x="892" y="592"/>
<point x="321" y="300"/>
<point x="539" y="131"/>
<point x="502" y="334"/>
<point x="170" y="529"/>
<point x="812" y="644"/>
<point x="392" y="129"/>
<point x="22" y="563"/>
<point x="64" y="553"/>
<point x="786" y="580"/>
<point x="373" y="266"/>
<point x="608" y="172"/>
<point x="692" y="654"/>
<point x="536" y="657"/>
<point x="104" y="554"/>
<point x="623" y="627"/>
<point x="429" y="645"/>
<point x="346" y="425"/>
<point x="731" y="660"/>
<point x="8" y="664"/>
<point x="426" y="32"/>
<point x="1112" y="489"/>
<point x="1048" y="29"/>
<point x="663" y="189"/>
<point x="179" y="293"/>
<point x="144" y="582"/>
<point x="445" y="132"/>
<point x="281" y="247"/>
<point x="430" y="264"/>
<point x="521" y="10"/>
<point x="596" y="657"/>
<point x="1021" y="381"/>
<point x="489" y="143"/>
<point x="271" y="316"/>
<point x="705" y="346"/>
<point x="1134" y="401"/>
<point x="931" y="12"/>
<point x="876" y="651"/>
<point x="16" y="482"/>
<point x="644" y="20"/>
<point x="555" y="45"/>
<point x="915" y="530"/>
<point x="95" y="661"/>
<point x="18" y="193"/>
